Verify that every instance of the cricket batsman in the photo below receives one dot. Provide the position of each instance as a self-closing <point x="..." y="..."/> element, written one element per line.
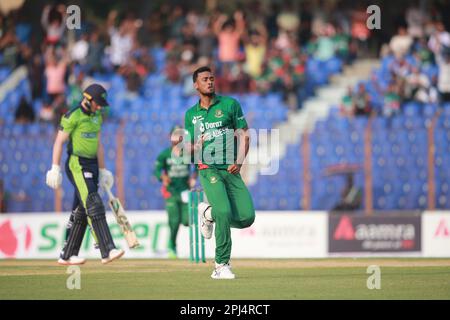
<point x="85" y="168"/>
<point x="218" y="135"/>
<point x="176" y="178"/>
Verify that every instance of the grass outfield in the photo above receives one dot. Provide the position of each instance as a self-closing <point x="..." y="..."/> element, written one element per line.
<point x="256" y="279"/>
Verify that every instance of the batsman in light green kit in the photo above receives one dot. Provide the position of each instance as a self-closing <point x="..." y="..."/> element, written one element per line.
<point x="85" y="168"/>
<point x="177" y="179"/>
<point x="218" y="136"/>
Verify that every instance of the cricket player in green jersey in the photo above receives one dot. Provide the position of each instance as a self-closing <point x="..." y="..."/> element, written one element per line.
<point x="177" y="179"/>
<point x="85" y="168"/>
<point x="218" y="136"/>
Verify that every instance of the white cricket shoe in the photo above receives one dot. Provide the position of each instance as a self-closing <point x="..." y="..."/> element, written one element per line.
<point x="113" y="255"/>
<point x="72" y="261"/>
<point x="207" y="223"/>
<point x="223" y="271"/>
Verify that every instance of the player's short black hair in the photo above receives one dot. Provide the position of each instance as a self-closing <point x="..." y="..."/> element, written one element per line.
<point x="200" y="70"/>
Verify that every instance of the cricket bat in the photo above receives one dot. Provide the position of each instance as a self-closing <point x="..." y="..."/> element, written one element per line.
<point x="122" y="220"/>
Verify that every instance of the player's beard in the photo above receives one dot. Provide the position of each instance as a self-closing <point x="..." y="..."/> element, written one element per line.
<point x="210" y="93"/>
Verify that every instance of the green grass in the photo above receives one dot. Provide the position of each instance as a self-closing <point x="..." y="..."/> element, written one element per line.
<point x="256" y="279"/>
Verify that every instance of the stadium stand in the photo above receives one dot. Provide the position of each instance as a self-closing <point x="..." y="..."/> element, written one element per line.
<point x="143" y="115"/>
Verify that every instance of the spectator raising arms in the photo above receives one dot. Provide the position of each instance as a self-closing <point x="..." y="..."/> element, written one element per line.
<point x="55" y="71"/>
<point x="255" y="51"/>
<point x="53" y="21"/>
<point x="229" y="33"/>
<point x="122" y="39"/>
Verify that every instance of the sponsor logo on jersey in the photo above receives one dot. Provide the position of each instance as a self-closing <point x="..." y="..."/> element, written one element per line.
<point x="89" y="135"/>
<point x="213" y="125"/>
<point x="213" y="179"/>
<point x="196" y="118"/>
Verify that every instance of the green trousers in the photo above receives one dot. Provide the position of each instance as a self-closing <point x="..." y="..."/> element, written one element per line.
<point x="232" y="207"/>
<point x="178" y="214"/>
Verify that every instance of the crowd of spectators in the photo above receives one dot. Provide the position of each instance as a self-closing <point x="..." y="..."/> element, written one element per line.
<point x="416" y="62"/>
<point x="255" y="47"/>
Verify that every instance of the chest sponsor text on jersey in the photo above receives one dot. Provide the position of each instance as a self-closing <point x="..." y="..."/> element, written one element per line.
<point x="213" y="125"/>
<point x="89" y="135"/>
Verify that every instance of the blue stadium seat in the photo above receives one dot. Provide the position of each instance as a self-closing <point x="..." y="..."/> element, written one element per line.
<point x="429" y="110"/>
<point x="412" y="108"/>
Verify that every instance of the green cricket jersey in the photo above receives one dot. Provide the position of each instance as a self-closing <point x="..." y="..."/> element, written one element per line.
<point x="217" y="124"/>
<point x="84" y="129"/>
<point x="177" y="171"/>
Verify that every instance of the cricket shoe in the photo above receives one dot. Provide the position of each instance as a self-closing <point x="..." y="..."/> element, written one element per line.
<point x="172" y="254"/>
<point x="72" y="261"/>
<point x="207" y="224"/>
<point x="223" y="271"/>
<point x="113" y="255"/>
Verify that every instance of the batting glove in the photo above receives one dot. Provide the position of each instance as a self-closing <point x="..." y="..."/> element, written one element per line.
<point x="106" y="179"/>
<point x="54" y="177"/>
